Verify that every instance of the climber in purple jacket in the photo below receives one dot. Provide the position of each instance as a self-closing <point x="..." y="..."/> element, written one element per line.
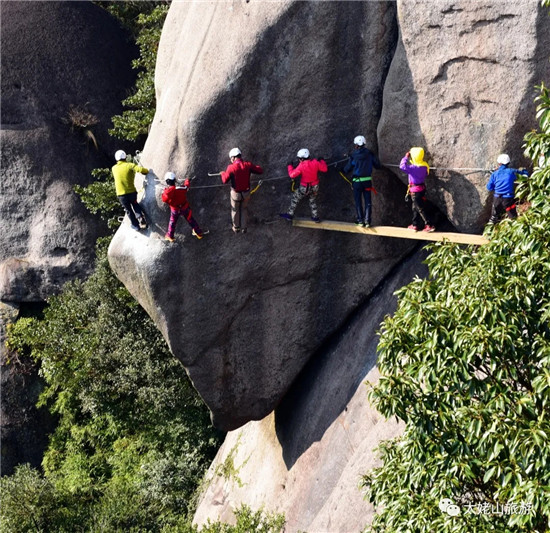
<point x="414" y="165"/>
<point x="503" y="183"/>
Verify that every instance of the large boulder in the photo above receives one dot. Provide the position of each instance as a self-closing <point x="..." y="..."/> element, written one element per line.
<point x="244" y="313"/>
<point x="66" y="66"/>
<point x="462" y="85"/>
<point x="307" y="458"/>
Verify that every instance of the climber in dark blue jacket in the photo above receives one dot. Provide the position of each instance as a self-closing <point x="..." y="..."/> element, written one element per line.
<point x="503" y="183"/>
<point x="361" y="162"/>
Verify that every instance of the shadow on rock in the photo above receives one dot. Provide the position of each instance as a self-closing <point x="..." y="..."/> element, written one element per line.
<point x="324" y="388"/>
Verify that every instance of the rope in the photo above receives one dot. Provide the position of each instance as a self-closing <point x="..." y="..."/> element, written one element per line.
<point x="334" y="163"/>
<point x="472" y="170"/>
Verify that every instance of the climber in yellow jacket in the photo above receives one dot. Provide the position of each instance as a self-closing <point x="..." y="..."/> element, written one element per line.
<point x="124" y="173"/>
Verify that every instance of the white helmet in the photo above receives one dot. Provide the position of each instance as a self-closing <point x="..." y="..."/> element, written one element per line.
<point x="234" y="152"/>
<point x="169" y="176"/>
<point x="303" y="153"/>
<point x="503" y="159"/>
<point x="360" y="140"/>
<point x="120" y="155"/>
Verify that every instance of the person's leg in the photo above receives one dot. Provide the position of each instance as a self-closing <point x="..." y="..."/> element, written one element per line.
<point x="244" y="210"/>
<point x="419" y="209"/>
<point x="126" y="202"/>
<point x="496" y="210"/>
<point x="174" y="215"/>
<point x="188" y="214"/>
<point x="312" y="194"/>
<point x="135" y="205"/>
<point x="236" y="200"/>
<point x="358" y="199"/>
<point x="368" y="206"/>
<point x="510" y="208"/>
<point x="297" y="196"/>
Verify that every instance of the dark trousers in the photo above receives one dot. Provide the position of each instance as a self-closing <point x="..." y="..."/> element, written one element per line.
<point x="362" y="193"/>
<point x="419" y="209"/>
<point x="131" y="206"/>
<point x="503" y="205"/>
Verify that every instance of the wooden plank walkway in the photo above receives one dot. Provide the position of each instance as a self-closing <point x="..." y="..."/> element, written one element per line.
<point x="390" y="231"/>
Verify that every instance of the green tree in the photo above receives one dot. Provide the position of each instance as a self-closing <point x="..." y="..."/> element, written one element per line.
<point x="134" y="438"/>
<point x="465" y="363"/>
<point x="147" y="26"/>
<point x="246" y="521"/>
<point x="100" y="197"/>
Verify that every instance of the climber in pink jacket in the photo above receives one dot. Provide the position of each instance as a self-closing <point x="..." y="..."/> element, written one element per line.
<point x="308" y="170"/>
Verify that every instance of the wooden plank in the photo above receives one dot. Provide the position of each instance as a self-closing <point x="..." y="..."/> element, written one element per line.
<point x="391" y="231"/>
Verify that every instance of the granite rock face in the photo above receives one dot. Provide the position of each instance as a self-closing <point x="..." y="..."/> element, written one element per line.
<point x="307" y="458"/>
<point x="65" y="69"/>
<point x="245" y="312"/>
<point x="462" y="84"/>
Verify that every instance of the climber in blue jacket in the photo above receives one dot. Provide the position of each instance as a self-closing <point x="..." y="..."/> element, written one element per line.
<point x="503" y="183"/>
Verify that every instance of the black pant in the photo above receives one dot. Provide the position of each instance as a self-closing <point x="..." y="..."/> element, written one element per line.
<point x="503" y="205"/>
<point x="130" y="204"/>
<point x="419" y="208"/>
<point x="362" y="193"/>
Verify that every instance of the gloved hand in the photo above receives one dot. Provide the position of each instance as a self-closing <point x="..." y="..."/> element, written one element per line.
<point x="408" y="155"/>
<point x="290" y="164"/>
<point x="187" y="182"/>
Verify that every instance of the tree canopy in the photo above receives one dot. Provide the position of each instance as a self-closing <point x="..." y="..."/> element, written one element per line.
<point x="465" y="362"/>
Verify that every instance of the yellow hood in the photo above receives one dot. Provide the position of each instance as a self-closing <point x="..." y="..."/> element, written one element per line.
<point x="417" y="157"/>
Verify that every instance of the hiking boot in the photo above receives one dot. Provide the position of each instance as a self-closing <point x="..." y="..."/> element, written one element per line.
<point x="168" y="238"/>
<point x="358" y="222"/>
<point x="243" y="230"/>
<point x="413" y="227"/>
<point x="316" y="219"/>
<point x="195" y="234"/>
<point x="286" y="216"/>
<point x="428" y="228"/>
<point x="236" y="229"/>
<point x="143" y="223"/>
<point x="366" y="225"/>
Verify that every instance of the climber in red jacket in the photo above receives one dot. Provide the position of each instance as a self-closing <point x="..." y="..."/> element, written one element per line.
<point x="176" y="197"/>
<point x="238" y="173"/>
<point x="309" y="170"/>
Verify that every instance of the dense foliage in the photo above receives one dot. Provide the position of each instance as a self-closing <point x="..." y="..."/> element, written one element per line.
<point x="133" y="438"/>
<point x="100" y="197"/>
<point x="465" y="362"/>
<point x="145" y="19"/>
